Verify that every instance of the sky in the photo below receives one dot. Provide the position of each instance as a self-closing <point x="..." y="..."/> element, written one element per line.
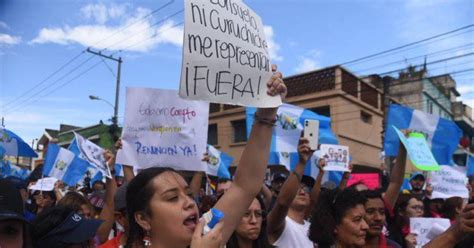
<point x="46" y="76"/>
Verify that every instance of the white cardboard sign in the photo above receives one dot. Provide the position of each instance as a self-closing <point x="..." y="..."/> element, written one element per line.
<point x="336" y="156"/>
<point x="449" y="182"/>
<point x="225" y="55"/>
<point x="428" y="228"/>
<point x="44" y="184"/>
<point x="163" y="130"/>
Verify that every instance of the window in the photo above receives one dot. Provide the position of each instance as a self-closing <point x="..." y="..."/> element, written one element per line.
<point x="239" y="129"/>
<point x="212" y="134"/>
<point x="324" y="110"/>
<point x="366" y="117"/>
<point x="430" y="107"/>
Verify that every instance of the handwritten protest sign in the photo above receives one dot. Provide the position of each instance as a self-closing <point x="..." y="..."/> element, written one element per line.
<point x="163" y="130"/>
<point x="44" y="184"/>
<point x="225" y="55"/>
<point x="93" y="154"/>
<point x="337" y="157"/>
<point x="427" y="228"/>
<point x="371" y="180"/>
<point x="449" y="182"/>
<point x="418" y="151"/>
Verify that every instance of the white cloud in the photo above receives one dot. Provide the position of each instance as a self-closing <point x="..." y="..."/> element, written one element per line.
<point x="466" y="89"/>
<point x="309" y="62"/>
<point x="101" y="13"/>
<point x="273" y="47"/>
<point x="4" y="25"/>
<point x="133" y="34"/>
<point x="9" y="40"/>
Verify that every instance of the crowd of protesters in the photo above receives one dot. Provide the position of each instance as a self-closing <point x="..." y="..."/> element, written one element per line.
<point x="158" y="207"/>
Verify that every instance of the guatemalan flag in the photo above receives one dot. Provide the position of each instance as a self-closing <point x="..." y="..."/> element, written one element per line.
<point x="286" y="134"/>
<point x="64" y="165"/>
<point x="443" y="135"/>
<point x="219" y="163"/>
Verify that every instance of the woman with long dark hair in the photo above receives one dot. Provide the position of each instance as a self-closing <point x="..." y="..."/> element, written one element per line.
<point x="408" y="206"/>
<point x="160" y="204"/>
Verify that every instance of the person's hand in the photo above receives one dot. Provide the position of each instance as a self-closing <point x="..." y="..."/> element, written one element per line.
<point x="466" y="219"/>
<point x="321" y="164"/>
<point x="212" y="239"/>
<point x="58" y="185"/>
<point x="428" y="190"/>
<point x="205" y="157"/>
<point x="351" y="167"/>
<point x="109" y="158"/>
<point x="304" y="151"/>
<point x="410" y="240"/>
<point x="275" y="86"/>
<point x="118" y="144"/>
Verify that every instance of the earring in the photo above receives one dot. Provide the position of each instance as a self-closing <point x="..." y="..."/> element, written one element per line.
<point x="147" y="239"/>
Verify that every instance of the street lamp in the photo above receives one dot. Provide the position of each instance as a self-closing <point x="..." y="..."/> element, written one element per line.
<point x="114" y="117"/>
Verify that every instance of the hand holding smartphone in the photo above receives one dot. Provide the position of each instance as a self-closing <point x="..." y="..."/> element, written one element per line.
<point x="311" y="132"/>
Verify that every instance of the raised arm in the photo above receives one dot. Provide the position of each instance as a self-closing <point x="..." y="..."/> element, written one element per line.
<point x="108" y="210"/>
<point x="195" y="184"/>
<point x="267" y="195"/>
<point x="288" y="192"/>
<point x="128" y="173"/>
<point x="253" y="163"/>
<point x="396" y="177"/>
<point x="345" y="178"/>
<point x="316" y="188"/>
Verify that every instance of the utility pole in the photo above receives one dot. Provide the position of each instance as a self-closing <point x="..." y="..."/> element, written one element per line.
<point x="117" y="90"/>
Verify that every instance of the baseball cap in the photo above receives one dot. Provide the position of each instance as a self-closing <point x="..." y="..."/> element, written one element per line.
<point x="308" y="181"/>
<point x="11" y="203"/>
<point x="75" y="229"/>
<point x="279" y="175"/>
<point x="417" y="174"/>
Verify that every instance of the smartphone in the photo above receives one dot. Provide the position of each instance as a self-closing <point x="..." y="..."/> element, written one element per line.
<point x="311" y="132"/>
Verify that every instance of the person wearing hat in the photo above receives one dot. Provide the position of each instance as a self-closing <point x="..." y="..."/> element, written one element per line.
<point x="417" y="181"/>
<point x="13" y="226"/>
<point x="61" y="227"/>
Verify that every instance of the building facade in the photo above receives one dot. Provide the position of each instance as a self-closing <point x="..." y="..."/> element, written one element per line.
<point x="354" y="106"/>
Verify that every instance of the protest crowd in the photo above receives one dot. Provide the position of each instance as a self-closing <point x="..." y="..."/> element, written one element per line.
<point x="162" y="186"/>
<point x="157" y="207"/>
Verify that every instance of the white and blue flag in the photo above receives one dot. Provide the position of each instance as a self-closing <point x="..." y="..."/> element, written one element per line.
<point x="443" y="135"/>
<point x="286" y="134"/>
<point x="64" y="165"/>
<point x="219" y="163"/>
<point x="7" y="169"/>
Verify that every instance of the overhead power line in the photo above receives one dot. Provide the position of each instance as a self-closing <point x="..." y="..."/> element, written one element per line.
<point x="62" y="67"/>
<point x="407" y="45"/>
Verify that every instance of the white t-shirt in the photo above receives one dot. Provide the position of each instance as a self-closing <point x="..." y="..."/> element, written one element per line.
<point x="294" y="235"/>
